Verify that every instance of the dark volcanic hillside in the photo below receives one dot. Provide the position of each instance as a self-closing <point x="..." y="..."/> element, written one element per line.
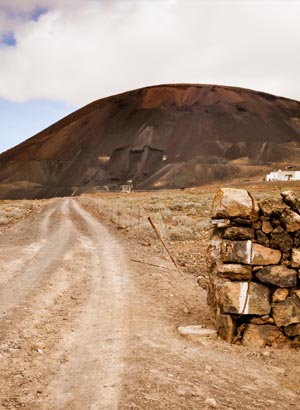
<point x="163" y="136"/>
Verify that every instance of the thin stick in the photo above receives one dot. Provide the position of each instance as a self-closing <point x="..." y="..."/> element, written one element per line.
<point x="164" y="245"/>
<point x="138" y="227"/>
<point x="150" y="264"/>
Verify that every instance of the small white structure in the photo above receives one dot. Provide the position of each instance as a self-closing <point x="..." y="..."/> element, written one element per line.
<point x="283" y="176"/>
<point x="128" y="187"/>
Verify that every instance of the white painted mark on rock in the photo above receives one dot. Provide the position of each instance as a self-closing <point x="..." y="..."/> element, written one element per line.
<point x="249" y="252"/>
<point x="244" y="298"/>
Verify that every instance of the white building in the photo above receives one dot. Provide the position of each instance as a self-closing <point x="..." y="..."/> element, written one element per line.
<point x="283" y="176"/>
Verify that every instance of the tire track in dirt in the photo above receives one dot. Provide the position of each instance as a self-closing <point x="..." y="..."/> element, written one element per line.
<point x="92" y="376"/>
<point x="27" y="253"/>
<point x="36" y="267"/>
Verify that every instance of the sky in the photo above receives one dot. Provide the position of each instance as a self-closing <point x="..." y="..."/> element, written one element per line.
<point x="58" y="55"/>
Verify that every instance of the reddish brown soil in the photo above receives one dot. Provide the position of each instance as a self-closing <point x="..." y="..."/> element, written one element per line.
<point x="163" y="136"/>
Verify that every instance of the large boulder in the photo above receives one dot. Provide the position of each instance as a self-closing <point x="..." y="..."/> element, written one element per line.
<point x="261" y="255"/>
<point x="292" y="330"/>
<point x="280" y="294"/>
<point x="236" y="251"/>
<point x="272" y="206"/>
<point x="238" y="233"/>
<point x="233" y="271"/>
<point x="278" y="275"/>
<point x="248" y="298"/>
<point x="282" y="241"/>
<point x="233" y="203"/>
<point x="246" y="252"/>
<point x="290" y="220"/>
<point x="261" y="335"/>
<point x="291" y="199"/>
<point x="287" y="312"/>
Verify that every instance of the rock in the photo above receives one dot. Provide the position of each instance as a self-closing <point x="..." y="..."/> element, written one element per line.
<point x="221" y="223"/>
<point x="263" y="320"/>
<point x="278" y="229"/>
<point x="266" y="227"/>
<point x="282" y="241"/>
<point x="211" y="403"/>
<point x="297" y="239"/>
<point x="287" y="312"/>
<point x="242" y="221"/>
<point x="266" y="354"/>
<point x="233" y="298"/>
<point x="262" y="238"/>
<point x="264" y="256"/>
<point x="236" y="251"/>
<point x="275" y="222"/>
<point x="278" y="275"/>
<point x="296" y="292"/>
<point x="233" y="203"/>
<point x="257" y="225"/>
<point x="214" y="249"/>
<point x="292" y="330"/>
<point x="248" y="253"/>
<point x="238" y="233"/>
<point x="272" y="206"/>
<point x="290" y="220"/>
<point x="285" y="259"/>
<point x="295" y="258"/>
<point x="280" y="295"/>
<point x="226" y="326"/>
<point x="196" y="332"/>
<point x="38" y="346"/>
<point x="202" y="282"/>
<point x="260" y="335"/>
<point x="290" y="199"/>
<point x="233" y="271"/>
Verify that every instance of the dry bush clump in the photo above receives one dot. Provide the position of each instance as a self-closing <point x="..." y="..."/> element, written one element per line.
<point x="13" y="211"/>
<point x="181" y="233"/>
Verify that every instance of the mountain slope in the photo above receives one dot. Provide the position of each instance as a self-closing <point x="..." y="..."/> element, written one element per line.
<point x="161" y="136"/>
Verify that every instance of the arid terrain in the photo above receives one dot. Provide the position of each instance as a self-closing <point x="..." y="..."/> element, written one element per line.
<point x="168" y="136"/>
<point x="90" y="304"/>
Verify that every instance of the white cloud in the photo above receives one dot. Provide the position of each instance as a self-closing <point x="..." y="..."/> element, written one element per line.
<point x="82" y="50"/>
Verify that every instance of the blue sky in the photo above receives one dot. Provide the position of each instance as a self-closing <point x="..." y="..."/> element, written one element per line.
<point x="58" y="55"/>
<point x="19" y="121"/>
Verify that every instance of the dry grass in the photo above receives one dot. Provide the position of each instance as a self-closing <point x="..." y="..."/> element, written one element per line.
<point x="14" y="211"/>
<point x="182" y="217"/>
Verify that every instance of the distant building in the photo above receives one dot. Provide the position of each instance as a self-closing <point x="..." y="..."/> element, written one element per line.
<point x="128" y="187"/>
<point x="283" y="176"/>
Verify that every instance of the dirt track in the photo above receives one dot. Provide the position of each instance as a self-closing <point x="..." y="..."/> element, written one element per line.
<point x="82" y="327"/>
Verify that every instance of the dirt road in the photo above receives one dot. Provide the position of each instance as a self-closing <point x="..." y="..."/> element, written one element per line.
<point x="82" y="327"/>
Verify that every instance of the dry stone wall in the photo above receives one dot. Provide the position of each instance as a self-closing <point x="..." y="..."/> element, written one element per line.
<point x="254" y="267"/>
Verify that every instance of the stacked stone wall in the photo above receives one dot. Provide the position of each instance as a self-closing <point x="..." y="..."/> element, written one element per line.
<point x="254" y="267"/>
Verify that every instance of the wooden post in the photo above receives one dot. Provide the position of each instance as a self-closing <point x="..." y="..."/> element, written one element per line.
<point x="164" y="245"/>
